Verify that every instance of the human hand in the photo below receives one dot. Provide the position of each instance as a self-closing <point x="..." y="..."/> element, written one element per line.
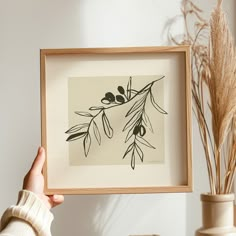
<point x="34" y="181"/>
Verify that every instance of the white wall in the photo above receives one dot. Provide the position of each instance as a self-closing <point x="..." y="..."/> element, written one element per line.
<point x="25" y="27"/>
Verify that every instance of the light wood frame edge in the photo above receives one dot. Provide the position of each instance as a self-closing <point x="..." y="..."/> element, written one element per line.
<point x="43" y="114"/>
<point x="122" y="50"/>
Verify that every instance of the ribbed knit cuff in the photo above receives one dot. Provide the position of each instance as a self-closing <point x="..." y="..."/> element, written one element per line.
<point x="31" y="209"/>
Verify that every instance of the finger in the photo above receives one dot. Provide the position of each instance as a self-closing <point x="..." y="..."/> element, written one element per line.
<point x="39" y="160"/>
<point x="56" y="200"/>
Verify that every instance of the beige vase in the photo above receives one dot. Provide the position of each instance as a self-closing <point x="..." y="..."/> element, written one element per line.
<point x="217" y="215"/>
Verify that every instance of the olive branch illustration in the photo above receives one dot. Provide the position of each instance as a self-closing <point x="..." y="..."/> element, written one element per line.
<point x="135" y="125"/>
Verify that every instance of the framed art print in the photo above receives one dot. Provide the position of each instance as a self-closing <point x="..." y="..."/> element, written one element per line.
<point x="116" y="120"/>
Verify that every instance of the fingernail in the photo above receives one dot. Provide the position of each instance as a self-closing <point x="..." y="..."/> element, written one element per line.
<point x="40" y="150"/>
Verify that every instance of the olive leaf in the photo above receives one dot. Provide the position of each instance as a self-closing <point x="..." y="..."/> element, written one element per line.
<point x="76" y="128"/>
<point x="128" y="89"/>
<point x="133" y="160"/>
<point x="147" y="121"/>
<point x="87" y="144"/>
<point x="106" y="126"/>
<point x="83" y="113"/>
<point x="147" y="87"/>
<point x="133" y="119"/>
<point x="136" y="106"/>
<point x="94" y="108"/>
<point x="129" y="149"/>
<point x="129" y="135"/>
<point x="96" y="132"/>
<point x="139" y="152"/>
<point x="76" y="136"/>
<point x="144" y="142"/>
<point x="155" y="105"/>
<point x="133" y="91"/>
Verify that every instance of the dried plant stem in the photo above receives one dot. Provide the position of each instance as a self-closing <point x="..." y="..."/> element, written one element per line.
<point x="204" y="134"/>
<point x="231" y="162"/>
<point x="209" y="165"/>
<point x="214" y="72"/>
<point x="218" y="170"/>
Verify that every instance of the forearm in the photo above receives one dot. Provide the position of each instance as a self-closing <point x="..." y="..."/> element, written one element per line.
<point x="18" y="227"/>
<point x="30" y="215"/>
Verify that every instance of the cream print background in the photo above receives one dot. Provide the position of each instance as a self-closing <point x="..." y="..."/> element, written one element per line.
<point x="85" y="92"/>
<point x="61" y="173"/>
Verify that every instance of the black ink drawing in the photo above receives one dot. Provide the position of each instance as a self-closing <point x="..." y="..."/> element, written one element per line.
<point x="136" y="126"/>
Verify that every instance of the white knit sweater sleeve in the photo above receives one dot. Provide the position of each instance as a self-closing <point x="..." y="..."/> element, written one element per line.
<point x="29" y="217"/>
<point x="18" y="227"/>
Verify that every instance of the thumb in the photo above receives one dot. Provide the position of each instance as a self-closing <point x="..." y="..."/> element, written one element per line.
<point x="39" y="160"/>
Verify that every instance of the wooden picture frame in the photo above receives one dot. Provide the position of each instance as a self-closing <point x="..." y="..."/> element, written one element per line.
<point x="116" y="120"/>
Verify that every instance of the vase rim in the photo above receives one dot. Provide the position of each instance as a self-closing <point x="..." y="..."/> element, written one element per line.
<point x="217" y="197"/>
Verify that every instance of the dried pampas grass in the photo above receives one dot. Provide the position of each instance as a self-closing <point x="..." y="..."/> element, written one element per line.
<point x="214" y="90"/>
<point x="222" y="83"/>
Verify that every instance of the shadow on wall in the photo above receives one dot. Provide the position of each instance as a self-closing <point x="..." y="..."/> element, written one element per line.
<point x="78" y="216"/>
<point x="115" y="215"/>
<point x="86" y="215"/>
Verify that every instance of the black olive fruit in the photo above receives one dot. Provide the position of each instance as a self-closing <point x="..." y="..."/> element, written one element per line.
<point x="110" y="97"/>
<point x="105" y="101"/>
<point x="121" y="90"/>
<point x="136" y="130"/>
<point x="142" y="130"/>
<point x="120" y="99"/>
